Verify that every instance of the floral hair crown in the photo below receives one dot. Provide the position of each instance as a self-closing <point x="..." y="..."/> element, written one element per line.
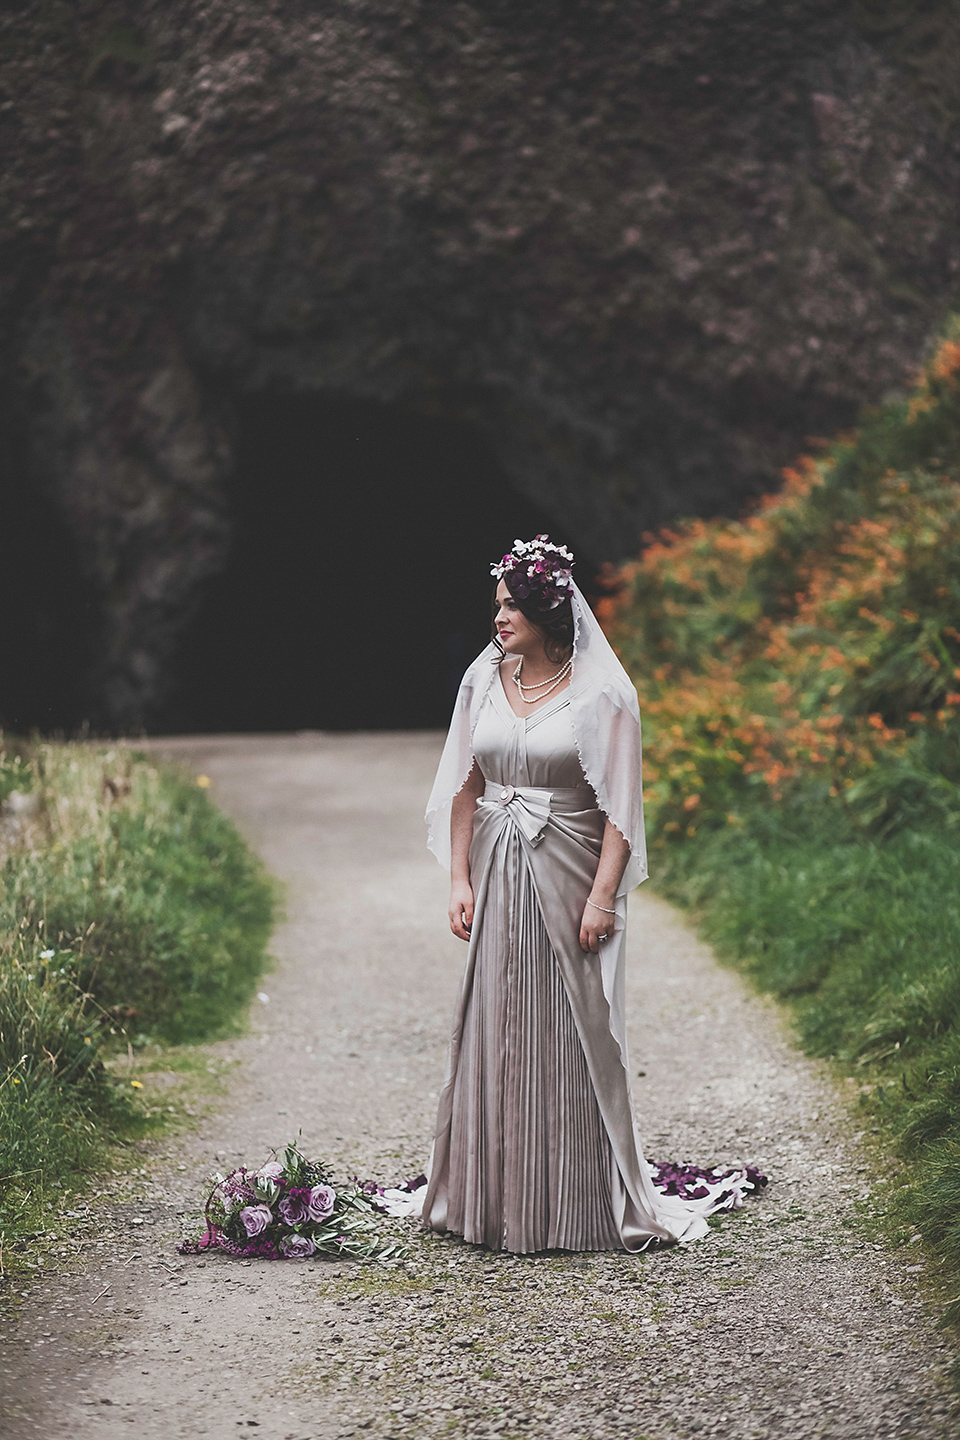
<point x="538" y="569"/>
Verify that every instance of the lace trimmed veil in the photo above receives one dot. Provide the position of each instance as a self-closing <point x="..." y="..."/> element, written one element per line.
<point x="606" y="723"/>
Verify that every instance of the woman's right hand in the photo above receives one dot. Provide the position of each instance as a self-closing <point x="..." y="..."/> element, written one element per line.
<point x="461" y="910"/>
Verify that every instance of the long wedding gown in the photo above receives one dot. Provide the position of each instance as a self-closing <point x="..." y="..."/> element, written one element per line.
<point x="535" y="1144"/>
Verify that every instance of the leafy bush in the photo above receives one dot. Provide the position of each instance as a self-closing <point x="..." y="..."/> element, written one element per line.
<point x="800" y="676"/>
<point x="816" y="644"/>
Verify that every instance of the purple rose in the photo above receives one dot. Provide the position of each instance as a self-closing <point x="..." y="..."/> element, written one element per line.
<point x="273" y="1170"/>
<point x="294" y="1207"/>
<point x="296" y="1247"/>
<point x="256" y="1218"/>
<point x="321" y="1202"/>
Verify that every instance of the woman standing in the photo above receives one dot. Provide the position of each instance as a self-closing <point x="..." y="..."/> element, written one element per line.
<point x="537" y="808"/>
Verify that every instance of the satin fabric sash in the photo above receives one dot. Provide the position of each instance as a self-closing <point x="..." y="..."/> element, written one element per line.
<point x="530" y="808"/>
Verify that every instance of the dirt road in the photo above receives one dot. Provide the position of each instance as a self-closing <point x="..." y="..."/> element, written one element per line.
<point x="787" y="1322"/>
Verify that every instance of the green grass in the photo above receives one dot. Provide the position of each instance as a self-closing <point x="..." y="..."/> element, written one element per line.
<point x="131" y="870"/>
<point x="132" y="916"/>
<point x="861" y="938"/>
<point x="55" y="1098"/>
<point x="799" y="675"/>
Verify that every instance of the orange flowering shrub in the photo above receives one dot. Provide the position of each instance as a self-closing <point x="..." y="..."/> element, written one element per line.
<point x="815" y="643"/>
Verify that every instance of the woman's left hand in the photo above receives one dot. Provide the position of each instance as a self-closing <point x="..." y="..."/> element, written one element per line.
<point x="595" y="928"/>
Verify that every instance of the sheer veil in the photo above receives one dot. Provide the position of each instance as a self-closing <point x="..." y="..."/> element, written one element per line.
<point x="606" y="723"/>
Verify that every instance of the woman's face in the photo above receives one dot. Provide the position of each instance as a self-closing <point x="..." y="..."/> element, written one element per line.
<point x="517" y="635"/>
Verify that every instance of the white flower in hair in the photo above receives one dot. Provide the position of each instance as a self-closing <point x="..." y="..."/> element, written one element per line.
<point x="540" y="571"/>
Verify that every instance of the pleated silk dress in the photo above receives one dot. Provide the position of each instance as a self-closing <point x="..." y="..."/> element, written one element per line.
<point x="535" y="1146"/>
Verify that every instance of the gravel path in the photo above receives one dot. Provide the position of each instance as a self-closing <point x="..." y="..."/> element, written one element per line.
<point x="785" y="1323"/>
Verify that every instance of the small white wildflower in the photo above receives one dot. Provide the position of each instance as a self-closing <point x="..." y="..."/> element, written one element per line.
<point x="47" y="954"/>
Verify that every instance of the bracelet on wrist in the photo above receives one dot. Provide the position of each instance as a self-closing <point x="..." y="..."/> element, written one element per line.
<point x="601" y="907"/>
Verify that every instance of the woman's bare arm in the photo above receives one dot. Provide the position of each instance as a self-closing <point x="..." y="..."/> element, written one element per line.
<point x="461" y="833"/>
<point x="597" y="920"/>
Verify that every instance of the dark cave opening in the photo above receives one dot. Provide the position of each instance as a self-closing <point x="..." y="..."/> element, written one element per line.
<point x="357" y="587"/>
<point x="49" y="609"/>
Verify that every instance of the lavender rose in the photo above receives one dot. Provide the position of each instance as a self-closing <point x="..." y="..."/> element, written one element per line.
<point x="294" y="1207"/>
<point x="296" y="1247"/>
<point x="273" y="1170"/>
<point x="321" y="1202"/>
<point x="256" y="1218"/>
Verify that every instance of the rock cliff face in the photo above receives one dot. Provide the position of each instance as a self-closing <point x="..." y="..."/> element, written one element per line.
<point x="645" y="248"/>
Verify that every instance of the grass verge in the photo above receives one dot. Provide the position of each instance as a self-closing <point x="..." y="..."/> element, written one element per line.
<point x="132" y="916"/>
<point x="799" y="673"/>
<point x="859" y="940"/>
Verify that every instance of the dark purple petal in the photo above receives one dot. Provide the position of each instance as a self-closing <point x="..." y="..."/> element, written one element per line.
<point x="691" y="1182"/>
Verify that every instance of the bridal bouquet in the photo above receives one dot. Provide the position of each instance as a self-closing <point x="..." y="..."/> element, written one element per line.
<point x="289" y="1210"/>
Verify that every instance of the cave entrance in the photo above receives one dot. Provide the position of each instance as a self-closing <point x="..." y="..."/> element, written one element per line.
<point x="358" y="587"/>
<point x="51" y="613"/>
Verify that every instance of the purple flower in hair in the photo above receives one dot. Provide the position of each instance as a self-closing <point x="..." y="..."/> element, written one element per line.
<point x="296" y="1247"/>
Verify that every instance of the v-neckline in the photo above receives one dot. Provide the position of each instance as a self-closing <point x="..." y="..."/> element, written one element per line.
<point x="525" y="720"/>
<point x="530" y="720"/>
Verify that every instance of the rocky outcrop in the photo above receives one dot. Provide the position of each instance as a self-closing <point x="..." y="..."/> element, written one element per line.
<point x="645" y="248"/>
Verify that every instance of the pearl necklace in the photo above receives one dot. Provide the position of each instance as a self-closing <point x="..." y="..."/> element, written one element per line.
<point x="552" y="683"/>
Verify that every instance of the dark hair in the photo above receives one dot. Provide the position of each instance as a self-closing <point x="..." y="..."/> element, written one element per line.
<point x="556" y="626"/>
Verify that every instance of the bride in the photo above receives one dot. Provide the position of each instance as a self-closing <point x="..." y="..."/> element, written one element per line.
<point x="537" y="809"/>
